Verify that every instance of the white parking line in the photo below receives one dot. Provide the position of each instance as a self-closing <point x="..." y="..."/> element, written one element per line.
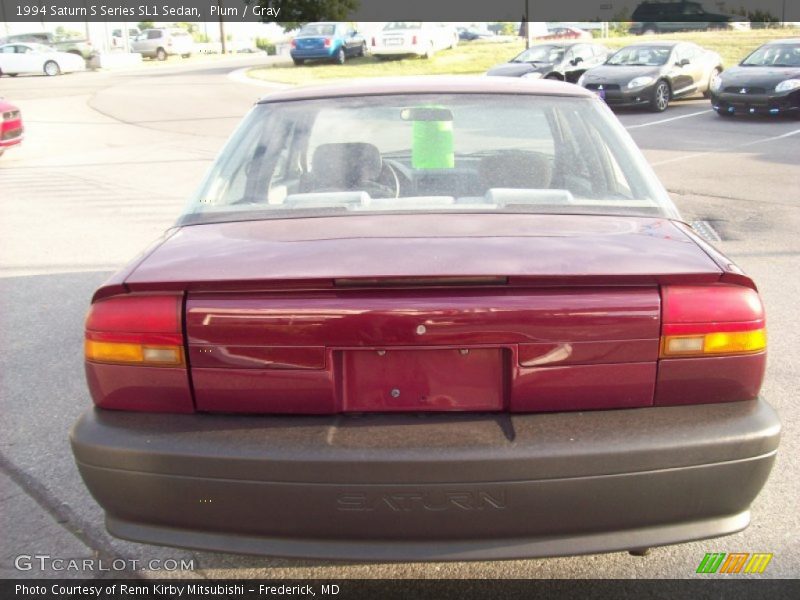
<point x="736" y="146"/>
<point x="702" y="112"/>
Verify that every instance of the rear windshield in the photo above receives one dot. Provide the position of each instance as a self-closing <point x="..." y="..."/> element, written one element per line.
<point x="775" y="55"/>
<point x="318" y="29"/>
<point x="399" y="25"/>
<point x="649" y="56"/>
<point x="424" y="153"/>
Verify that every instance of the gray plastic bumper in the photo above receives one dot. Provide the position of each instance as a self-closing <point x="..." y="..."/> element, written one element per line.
<point x="436" y="487"/>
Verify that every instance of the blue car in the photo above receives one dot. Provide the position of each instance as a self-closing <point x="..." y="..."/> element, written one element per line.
<point x="327" y="41"/>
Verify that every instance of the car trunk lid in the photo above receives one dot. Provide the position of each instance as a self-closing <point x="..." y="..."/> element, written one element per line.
<point x="512" y="313"/>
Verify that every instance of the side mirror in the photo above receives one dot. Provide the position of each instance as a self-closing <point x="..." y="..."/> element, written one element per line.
<point x="576" y="61"/>
<point x="683" y="62"/>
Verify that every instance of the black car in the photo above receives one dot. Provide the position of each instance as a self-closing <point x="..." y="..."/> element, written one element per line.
<point x="564" y="61"/>
<point x="651" y="74"/>
<point x="766" y="82"/>
<point x="677" y="15"/>
<point x="470" y="35"/>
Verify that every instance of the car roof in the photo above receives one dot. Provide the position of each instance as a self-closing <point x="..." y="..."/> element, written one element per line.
<point x="658" y="44"/>
<point x="562" y="43"/>
<point x="783" y="41"/>
<point x="452" y="84"/>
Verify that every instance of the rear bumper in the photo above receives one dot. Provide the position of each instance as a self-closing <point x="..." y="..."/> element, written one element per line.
<point x="312" y="53"/>
<point x="439" y="487"/>
<point x="399" y="50"/>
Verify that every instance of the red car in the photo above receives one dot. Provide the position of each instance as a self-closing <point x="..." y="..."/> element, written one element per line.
<point x="565" y="33"/>
<point x="11" y="129"/>
<point x="395" y="325"/>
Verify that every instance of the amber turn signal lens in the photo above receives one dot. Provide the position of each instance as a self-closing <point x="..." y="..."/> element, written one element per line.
<point x="714" y="343"/>
<point x="127" y="353"/>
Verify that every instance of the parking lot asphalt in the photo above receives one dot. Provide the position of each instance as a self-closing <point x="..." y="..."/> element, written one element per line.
<point x="108" y="161"/>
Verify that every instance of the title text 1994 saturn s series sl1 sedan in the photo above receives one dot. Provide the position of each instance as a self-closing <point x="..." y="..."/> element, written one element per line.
<point x="394" y="325"/>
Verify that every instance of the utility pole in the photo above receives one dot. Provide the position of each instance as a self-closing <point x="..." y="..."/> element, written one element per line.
<point x="527" y="25"/>
<point x="221" y="25"/>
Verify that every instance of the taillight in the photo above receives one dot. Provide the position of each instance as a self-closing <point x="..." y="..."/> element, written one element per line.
<point x="374" y="43"/>
<point x="294" y="43"/>
<point x="713" y="345"/>
<point x="711" y="321"/>
<point x="139" y="330"/>
<point x="414" y="40"/>
<point x="328" y="42"/>
<point x="134" y="351"/>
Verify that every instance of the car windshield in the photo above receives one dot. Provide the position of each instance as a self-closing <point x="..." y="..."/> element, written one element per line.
<point x="428" y="153"/>
<point x="403" y="25"/>
<point x="645" y="56"/>
<point x="543" y="54"/>
<point x="318" y="29"/>
<point x="774" y="55"/>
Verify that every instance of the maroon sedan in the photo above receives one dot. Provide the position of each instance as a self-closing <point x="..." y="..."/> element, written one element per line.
<point x="434" y="318"/>
<point x="11" y="129"/>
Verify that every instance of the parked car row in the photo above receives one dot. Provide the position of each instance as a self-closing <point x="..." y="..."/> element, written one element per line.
<point x="339" y="41"/>
<point x="651" y="74"/>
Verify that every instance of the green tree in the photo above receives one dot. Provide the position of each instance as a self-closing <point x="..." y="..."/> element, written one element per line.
<point x="503" y="28"/>
<point x="189" y="27"/>
<point x="296" y="12"/>
<point x="142" y="25"/>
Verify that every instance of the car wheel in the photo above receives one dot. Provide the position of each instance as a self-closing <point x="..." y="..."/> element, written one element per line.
<point x="12" y="74"/>
<point x="51" y="68"/>
<point x="714" y="74"/>
<point x="659" y="101"/>
<point x="341" y="57"/>
<point x="299" y="62"/>
<point x="553" y="76"/>
<point x="161" y="54"/>
<point x="187" y="55"/>
<point x="649" y="30"/>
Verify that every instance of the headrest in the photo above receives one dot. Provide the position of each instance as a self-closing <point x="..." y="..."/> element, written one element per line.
<point x="346" y="164"/>
<point x="528" y="170"/>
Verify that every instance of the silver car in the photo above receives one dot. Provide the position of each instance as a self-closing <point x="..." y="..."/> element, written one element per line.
<point x="161" y="43"/>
